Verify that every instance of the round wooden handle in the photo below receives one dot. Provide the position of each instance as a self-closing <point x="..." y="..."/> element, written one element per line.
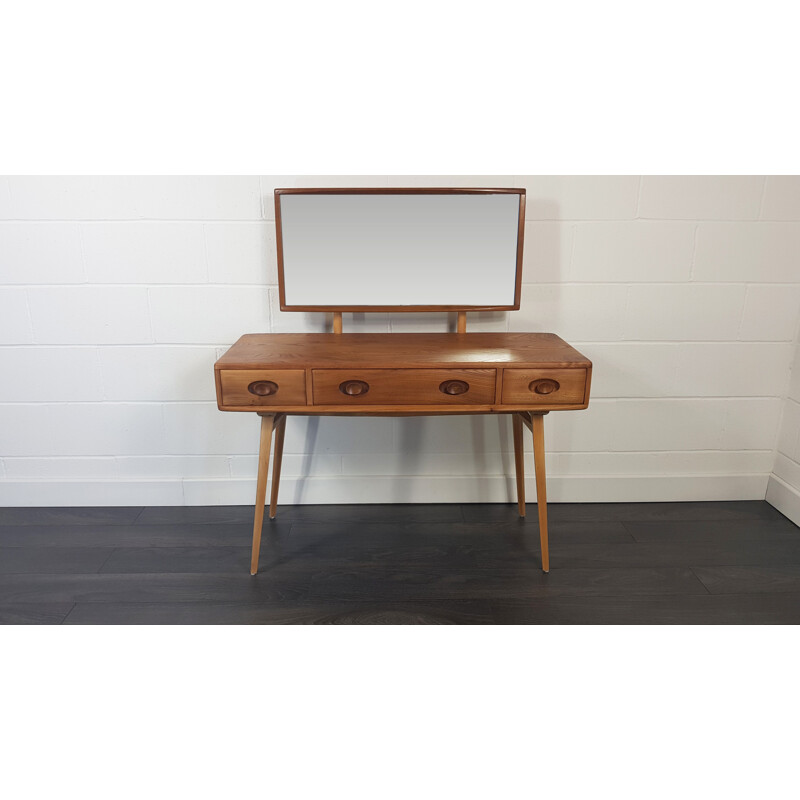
<point x="263" y="388"/>
<point x="544" y="386"/>
<point x="354" y="388"/>
<point x="454" y="387"/>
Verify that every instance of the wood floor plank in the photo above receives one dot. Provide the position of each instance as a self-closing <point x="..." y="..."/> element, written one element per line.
<point x="713" y="531"/>
<point x="284" y="583"/>
<point x="459" y="612"/>
<point x="93" y="515"/>
<point x="591" y="532"/>
<point x="34" y="613"/>
<point x="162" y="535"/>
<point x="642" y="563"/>
<point x="26" y="560"/>
<point x="196" y="515"/>
<point x="682" y="553"/>
<point x="240" y="534"/>
<point x="152" y="560"/>
<point x="394" y="513"/>
<point x="623" y="512"/>
<point x="376" y="512"/>
<point x="366" y="582"/>
<point x="743" y="579"/>
<point x="720" y="510"/>
<point x="443" y="546"/>
<point x="754" y="609"/>
<point x="497" y="512"/>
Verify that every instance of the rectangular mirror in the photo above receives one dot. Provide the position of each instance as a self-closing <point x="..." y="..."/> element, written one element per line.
<point x="399" y="249"/>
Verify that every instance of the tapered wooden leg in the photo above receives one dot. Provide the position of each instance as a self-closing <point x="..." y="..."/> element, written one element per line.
<point x="519" y="462"/>
<point x="541" y="486"/>
<point x="280" y="430"/>
<point x="267" y="421"/>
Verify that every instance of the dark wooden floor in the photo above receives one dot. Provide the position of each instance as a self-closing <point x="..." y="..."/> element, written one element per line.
<point x="639" y="563"/>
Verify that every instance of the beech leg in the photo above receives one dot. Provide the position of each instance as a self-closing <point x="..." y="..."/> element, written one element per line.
<point x="276" y="466"/>
<point x="267" y="423"/>
<point x="541" y="486"/>
<point x="519" y="461"/>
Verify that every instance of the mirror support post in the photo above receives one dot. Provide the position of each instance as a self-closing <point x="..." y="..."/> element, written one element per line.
<point x="337" y="321"/>
<point x="461" y="326"/>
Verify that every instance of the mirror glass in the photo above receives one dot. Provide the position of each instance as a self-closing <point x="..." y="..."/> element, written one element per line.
<point x="352" y="251"/>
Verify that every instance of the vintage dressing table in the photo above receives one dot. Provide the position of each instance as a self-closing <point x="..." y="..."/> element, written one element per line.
<point x="400" y="250"/>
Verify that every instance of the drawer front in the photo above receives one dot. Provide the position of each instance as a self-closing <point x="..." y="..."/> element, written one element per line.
<point x="393" y="387"/>
<point x="263" y="387"/>
<point x="544" y="386"/>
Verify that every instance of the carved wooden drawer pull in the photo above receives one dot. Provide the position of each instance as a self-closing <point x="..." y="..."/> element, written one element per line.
<point x="263" y="388"/>
<point x="454" y="387"/>
<point x="353" y="388"/>
<point x="544" y="386"/>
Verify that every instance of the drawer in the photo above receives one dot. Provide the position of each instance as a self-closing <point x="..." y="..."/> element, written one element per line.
<point x="390" y="387"/>
<point x="263" y="387"/>
<point x="544" y="386"/>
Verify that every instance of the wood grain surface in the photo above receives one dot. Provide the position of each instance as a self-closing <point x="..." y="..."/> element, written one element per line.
<point x="403" y="386"/>
<point x="376" y="350"/>
<point x="566" y="386"/>
<point x="403" y="373"/>
<point x="291" y="387"/>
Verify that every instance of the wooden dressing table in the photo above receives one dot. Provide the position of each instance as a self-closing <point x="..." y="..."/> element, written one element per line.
<point x="525" y="375"/>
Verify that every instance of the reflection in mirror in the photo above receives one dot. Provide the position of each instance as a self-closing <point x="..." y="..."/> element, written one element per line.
<point x="395" y="250"/>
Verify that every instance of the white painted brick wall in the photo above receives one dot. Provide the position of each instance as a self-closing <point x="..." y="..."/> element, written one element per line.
<point x="769" y="313"/>
<point x="46" y="252"/>
<point x="751" y="252"/>
<point x="554" y="242"/>
<point x="783" y="490"/>
<point x="632" y="251"/>
<point x="89" y="314"/>
<point x="15" y="316"/>
<point x="157" y="374"/>
<point x="691" y="312"/>
<point x="583" y="197"/>
<point x="50" y="374"/>
<point x="135" y="198"/>
<point x="5" y="199"/>
<point x="241" y="252"/>
<point x="207" y="314"/>
<point x="82" y="429"/>
<point x="700" y="197"/>
<point x="733" y="369"/>
<point x="781" y="198"/>
<point x="144" y="252"/>
<point x="575" y="311"/>
<point x="118" y="293"/>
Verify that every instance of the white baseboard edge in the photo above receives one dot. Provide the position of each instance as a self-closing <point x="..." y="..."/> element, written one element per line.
<point x="784" y="497"/>
<point x="385" y="489"/>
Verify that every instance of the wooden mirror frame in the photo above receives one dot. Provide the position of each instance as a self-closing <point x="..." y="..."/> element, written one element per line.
<point x="422" y="191"/>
